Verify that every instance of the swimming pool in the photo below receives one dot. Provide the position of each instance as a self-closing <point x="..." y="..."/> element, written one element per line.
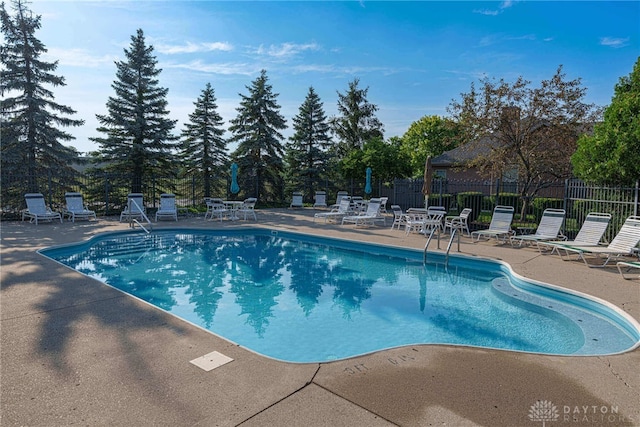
<point x="301" y="298"/>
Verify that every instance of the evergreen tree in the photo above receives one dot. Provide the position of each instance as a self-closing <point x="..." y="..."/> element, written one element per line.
<point x="260" y="152"/>
<point x="138" y="138"/>
<point x="31" y="137"/>
<point x="203" y="147"/>
<point x="357" y="122"/>
<point x="307" y="153"/>
<point x="612" y="154"/>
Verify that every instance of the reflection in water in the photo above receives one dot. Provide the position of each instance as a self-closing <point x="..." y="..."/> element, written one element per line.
<point x="302" y="301"/>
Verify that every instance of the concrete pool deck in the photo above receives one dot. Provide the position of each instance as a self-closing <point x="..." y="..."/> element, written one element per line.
<point x="74" y="351"/>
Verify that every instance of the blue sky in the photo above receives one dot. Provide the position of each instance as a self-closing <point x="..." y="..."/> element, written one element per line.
<point x="415" y="57"/>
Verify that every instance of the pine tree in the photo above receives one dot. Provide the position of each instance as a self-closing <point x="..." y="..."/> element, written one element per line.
<point x="31" y="119"/>
<point x="260" y="152"/>
<point x="138" y="139"/>
<point x="357" y="122"/>
<point x="203" y="147"/>
<point x="307" y="153"/>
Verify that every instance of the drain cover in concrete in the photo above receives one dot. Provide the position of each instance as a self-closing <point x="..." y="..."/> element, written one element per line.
<point x="211" y="361"/>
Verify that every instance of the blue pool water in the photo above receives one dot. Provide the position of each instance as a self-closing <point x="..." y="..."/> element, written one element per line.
<point x="309" y="299"/>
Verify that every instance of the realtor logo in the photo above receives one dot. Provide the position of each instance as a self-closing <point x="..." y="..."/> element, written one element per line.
<point x="543" y="411"/>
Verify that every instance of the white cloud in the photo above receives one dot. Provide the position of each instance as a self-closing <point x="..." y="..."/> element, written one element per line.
<point x="190" y="47"/>
<point x="614" y="42"/>
<point x="285" y="50"/>
<point x="226" y="69"/>
<point x="78" y="58"/>
<point x="503" y="6"/>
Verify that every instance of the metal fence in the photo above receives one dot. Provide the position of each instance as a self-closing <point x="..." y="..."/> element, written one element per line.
<point x="106" y="194"/>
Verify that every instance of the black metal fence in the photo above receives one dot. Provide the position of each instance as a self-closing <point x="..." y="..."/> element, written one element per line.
<point x="107" y="194"/>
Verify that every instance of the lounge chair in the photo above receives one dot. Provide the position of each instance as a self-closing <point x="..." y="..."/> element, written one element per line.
<point x="247" y="208"/>
<point x="167" y="209"/>
<point x="296" y="200"/>
<point x="76" y="209"/>
<point x="343" y="209"/>
<point x="627" y="265"/>
<point x="369" y="217"/>
<point x="590" y="234"/>
<point x="135" y="207"/>
<point x="339" y="196"/>
<point x="320" y="199"/>
<point x="548" y="229"/>
<point x="624" y="244"/>
<point x="37" y="210"/>
<point x="500" y="225"/>
<point x="458" y="222"/>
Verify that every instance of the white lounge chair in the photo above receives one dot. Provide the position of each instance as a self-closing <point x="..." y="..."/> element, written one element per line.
<point x="167" y="209"/>
<point x="247" y="208"/>
<point x="500" y="225"/>
<point x="37" y="210"/>
<point x="459" y="222"/>
<point x="320" y="199"/>
<point x="339" y="196"/>
<point x="135" y="207"/>
<point x="548" y="229"/>
<point x="626" y="266"/>
<point x="624" y="244"/>
<point x="343" y="209"/>
<point x="590" y="233"/>
<point x="76" y="209"/>
<point x="369" y="217"/>
<point x="296" y="200"/>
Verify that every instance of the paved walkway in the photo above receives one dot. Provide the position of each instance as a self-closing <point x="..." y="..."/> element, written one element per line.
<point x="76" y="352"/>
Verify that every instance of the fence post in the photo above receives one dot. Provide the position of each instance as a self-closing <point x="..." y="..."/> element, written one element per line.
<point x="498" y="191"/>
<point x="636" y="200"/>
<point x="106" y="194"/>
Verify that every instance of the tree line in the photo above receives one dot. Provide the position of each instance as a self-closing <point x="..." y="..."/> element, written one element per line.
<point x="545" y="133"/>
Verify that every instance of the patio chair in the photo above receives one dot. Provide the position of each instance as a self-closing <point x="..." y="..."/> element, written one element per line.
<point x="211" y="202"/>
<point x="216" y="208"/>
<point x="627" y="265"/>
<point x="624" y="244"/>
<point x="398" y="217"/>
<point x="135" y="207"/>
<point x="343" y="209"/>
<point x="167" y="208"/>
<point x="500" y="225"/>
<point x="383" y="204"/>
<point x="548" y="229"/>
<point x="76" y="209"/>
<point x="423" y="221"/>
<point x="247" y="208"/>
<point x="459" y="222"/>
<point x="369" y="217"/>
<point x="296" y="200"/>
<point x="320" y="199"/>
<point x="590" y="233"/>
<point x="37" y="210"/>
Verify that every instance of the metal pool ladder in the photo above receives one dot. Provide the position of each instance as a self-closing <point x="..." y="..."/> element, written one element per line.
<point x="454" y="233"/>
<point x="133" y="221"/>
